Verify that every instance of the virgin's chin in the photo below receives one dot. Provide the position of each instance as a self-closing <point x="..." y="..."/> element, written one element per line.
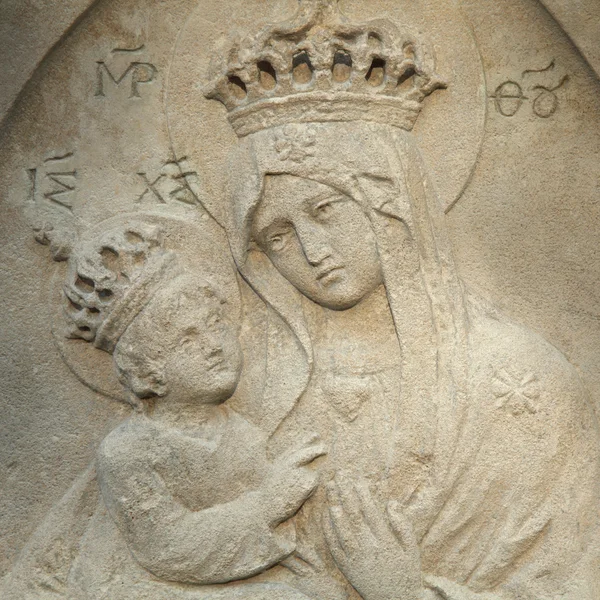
<point x="340" y="297"/>
<point x="337" y="302"/>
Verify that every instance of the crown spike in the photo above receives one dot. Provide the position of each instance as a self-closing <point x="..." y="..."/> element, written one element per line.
<point x="324" y="11"/>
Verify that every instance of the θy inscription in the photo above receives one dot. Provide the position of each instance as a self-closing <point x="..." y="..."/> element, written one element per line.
<point x="510" y="95"/>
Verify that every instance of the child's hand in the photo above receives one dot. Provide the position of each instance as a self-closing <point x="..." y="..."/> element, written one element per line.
<point x="291" y="482"/>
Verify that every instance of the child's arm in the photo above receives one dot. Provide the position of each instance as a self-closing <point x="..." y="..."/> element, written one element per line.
<point x="226" y="542"/>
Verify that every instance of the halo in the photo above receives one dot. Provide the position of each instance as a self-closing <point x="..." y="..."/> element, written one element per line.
<point x="449" y="130"/>
<point x="192" y="237"/>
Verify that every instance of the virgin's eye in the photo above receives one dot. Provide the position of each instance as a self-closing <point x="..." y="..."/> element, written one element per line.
<point x="278" y="241"/>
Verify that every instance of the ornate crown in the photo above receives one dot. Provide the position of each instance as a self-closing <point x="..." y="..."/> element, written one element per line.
<point x="319" y="67"/>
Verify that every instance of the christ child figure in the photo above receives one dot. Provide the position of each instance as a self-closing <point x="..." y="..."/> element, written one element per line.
<point x="186" y="479"/>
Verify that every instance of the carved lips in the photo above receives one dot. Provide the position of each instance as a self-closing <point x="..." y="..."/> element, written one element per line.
<point x="329" y="275"/>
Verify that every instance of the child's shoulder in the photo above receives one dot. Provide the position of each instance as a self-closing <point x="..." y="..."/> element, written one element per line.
<point x="243" y="427"/>
<point x="128" y="443"/>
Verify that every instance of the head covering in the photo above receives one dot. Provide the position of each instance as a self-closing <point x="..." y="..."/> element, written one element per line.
<point x="379" y="168"/>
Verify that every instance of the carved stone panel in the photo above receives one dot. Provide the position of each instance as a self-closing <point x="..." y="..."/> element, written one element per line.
<point x="302" y="302"/>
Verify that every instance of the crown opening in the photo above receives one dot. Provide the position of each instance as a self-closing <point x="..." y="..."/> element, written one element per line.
<point x="84" y="284"/>
<point x="133" y="238"/>
<point x="376" y="73"/>
<point x="342" y="67"/>
<point x="302" y="68"/>
<point x="110" y="257"/>
<point x="374" y="40"/>
<point x="237" y="87"/>
<point x="406" y="79"/>
<point x="267" y="76"/>
<point x="74" y="305"/>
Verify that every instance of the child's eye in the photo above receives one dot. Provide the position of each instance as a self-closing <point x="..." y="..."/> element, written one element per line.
<point x="213" y="320"/>
<point x="188" y="337"/>
<point x="186" y="342"/>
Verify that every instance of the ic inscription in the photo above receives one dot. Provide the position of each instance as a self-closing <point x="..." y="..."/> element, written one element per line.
<point x="55" y="180"/>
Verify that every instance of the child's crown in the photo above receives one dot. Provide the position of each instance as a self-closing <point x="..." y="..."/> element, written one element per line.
<point x="319" y="67"/>
<point x="111" y="278"/>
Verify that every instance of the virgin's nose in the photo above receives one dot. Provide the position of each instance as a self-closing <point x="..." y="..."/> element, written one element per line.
<point x="314" y="244"/>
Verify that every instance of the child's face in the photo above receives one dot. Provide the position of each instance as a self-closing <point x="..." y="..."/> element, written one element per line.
<point x="203" y="357"/>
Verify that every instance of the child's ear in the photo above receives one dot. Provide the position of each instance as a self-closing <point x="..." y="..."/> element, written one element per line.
<point x="142" y="379"/>
<point x="140" y="373"/>
<point x="148" y="385"/>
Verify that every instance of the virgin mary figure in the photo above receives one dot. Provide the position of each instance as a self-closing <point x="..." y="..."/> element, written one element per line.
<point x="463" y="451"/>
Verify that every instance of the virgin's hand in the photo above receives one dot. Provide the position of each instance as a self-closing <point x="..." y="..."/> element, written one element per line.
<point x="312" y="578"/>
<point x="376" y="551"/>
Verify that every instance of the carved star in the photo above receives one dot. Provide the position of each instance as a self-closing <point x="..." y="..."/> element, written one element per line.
<point x="515" y="393"/>
<point x="295" y="143"/>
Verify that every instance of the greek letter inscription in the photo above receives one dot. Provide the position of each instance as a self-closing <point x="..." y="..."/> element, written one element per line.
<point x="171" y="183"/>
<point x="510" y="95"/>
<point x="138" y="73"/>
<point x="54" y="181"/>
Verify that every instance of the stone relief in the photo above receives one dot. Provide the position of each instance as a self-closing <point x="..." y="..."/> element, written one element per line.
<point x="385" y="432"/>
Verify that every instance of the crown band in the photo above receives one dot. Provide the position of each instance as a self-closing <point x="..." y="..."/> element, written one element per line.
<point x="323" y="107"/>
<point x="132" y="303"/>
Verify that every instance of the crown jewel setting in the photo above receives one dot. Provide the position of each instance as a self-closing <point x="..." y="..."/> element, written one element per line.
<point x="319" y="67"/>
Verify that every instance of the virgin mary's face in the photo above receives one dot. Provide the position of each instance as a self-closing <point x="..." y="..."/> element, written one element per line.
<point x="319" y="239"/>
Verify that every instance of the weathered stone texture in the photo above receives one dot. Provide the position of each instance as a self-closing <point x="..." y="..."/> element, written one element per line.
<point x="301" y="300"/>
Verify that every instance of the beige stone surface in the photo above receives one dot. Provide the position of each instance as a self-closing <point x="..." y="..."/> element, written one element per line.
<point x="581" y="21"/>
<point x="301" y="300"/>
<point x="28" y="31"/>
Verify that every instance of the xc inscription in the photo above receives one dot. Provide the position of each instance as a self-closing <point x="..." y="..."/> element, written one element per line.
<point x="172" y="182"/>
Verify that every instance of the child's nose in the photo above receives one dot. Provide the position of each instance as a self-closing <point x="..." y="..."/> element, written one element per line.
<point x="213" y="351"/>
